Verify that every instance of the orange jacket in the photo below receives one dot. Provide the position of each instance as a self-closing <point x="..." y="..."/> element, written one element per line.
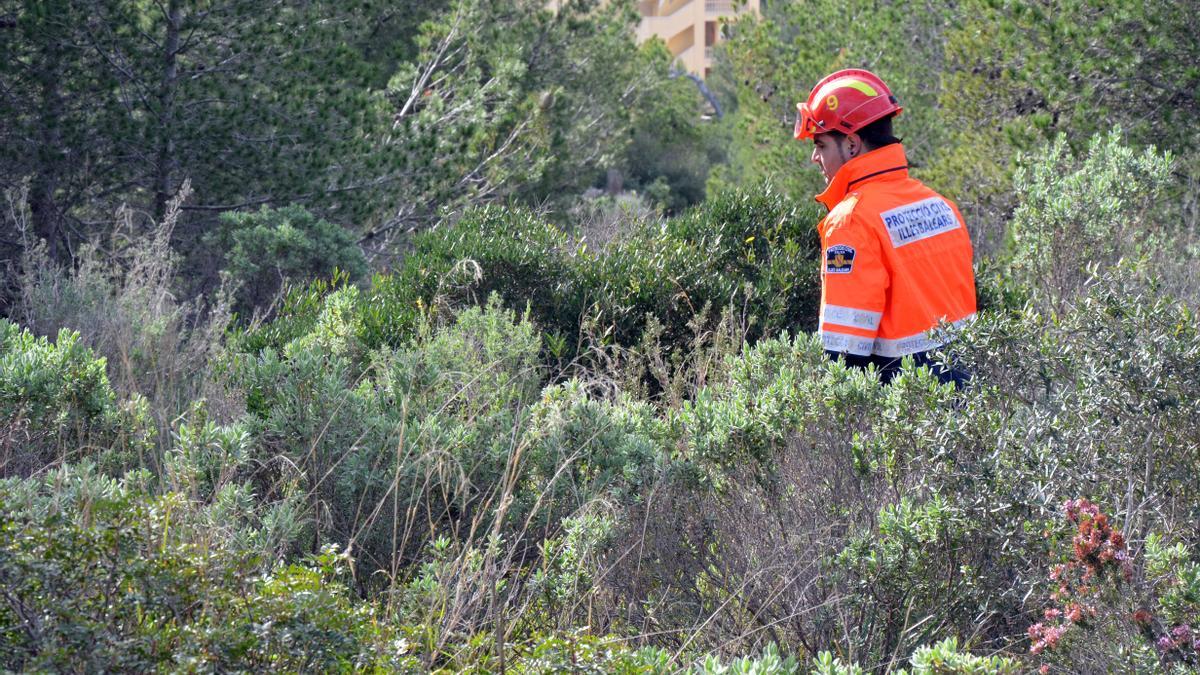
<point x="896" y="260"/>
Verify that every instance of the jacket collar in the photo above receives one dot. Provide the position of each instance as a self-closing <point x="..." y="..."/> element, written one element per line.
<point x="886" y="162"/>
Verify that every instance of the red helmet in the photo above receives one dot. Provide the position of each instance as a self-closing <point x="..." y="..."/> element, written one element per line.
<point x="845" y="101"/>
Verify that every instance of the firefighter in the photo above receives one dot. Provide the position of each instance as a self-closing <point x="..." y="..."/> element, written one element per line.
<point x="896" y="274"/>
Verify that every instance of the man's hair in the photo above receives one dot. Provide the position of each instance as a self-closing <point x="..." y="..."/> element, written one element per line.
<point x="875" y="135"/>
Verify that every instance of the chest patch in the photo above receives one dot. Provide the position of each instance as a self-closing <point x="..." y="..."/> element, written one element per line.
<point x="839" y="259"/>
<point x="919" y="220"/>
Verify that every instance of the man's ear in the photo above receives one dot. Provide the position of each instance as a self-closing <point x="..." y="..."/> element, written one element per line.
<point x="854" y="144"/>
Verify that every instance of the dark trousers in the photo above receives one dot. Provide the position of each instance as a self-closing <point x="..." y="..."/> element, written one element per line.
<point x="888" y="367"/>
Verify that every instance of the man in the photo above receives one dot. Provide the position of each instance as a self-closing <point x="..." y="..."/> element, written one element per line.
<point x="896" y="256"/>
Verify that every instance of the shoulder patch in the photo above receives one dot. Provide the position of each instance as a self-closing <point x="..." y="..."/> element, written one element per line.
<point x="839" y="259"/>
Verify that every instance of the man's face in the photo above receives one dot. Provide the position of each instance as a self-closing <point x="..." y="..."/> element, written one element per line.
<point x="831" y="151"/>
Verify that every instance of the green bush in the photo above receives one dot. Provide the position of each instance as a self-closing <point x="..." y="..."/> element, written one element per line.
<point x="581" y="448"/>
<point x="770" y="662"/>
<point x="907" y="569"/>
<point x="56" y="405"/>
<point x="122" y="297"/>
<point x="444" y="428"/>
<point x="268" y="249"/>
<point x="752" y="251"/>
<point x="525" y="260"/>
<point x="102" y="575"/>
<point x="780" y="462"/>
<point x="943" y="658"/>
<point x="1075" y="214"/>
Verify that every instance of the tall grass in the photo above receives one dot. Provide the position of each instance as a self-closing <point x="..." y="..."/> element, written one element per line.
<point x="120" y="297"/>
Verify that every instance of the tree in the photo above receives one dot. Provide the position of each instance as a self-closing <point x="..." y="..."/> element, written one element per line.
<point x="511" y="100"/>
<point x="772" y="62"/>
<point x="49" y="81"/>
<point x="119" y="101"/>
<point x="1020" y="73"/>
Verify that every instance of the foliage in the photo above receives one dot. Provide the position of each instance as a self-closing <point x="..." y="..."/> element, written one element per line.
<point x="56" y="405"/>
<point x="444" y="428"/>
<point x="1075" y="214"/>
<point x="122" y="300"/>
<point x="1018" y="74"/>
<point x="750" y="251"/>
<point x="672" y="149"/>
<point x="121" y="102"/>
<point x="908" y="566"/>
<point x="943" y="658"/>
<point x="769" y="663"/>
<point x="605" y="443"/>
<point x="517" y="100"/>
<point x="268" y="249"/>
<point x="101" y="575"/>
<point x="1094" y="617"/>
<point x="781" y="455"/>
<point x="1174" y="580"/>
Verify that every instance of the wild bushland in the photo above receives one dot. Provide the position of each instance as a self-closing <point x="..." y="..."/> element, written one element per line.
<point x="925" y="515"/>
<point x="104" y="574"/>
<point x="120" y="297"/>
<point x="760" y="494"/>
<point x="748" y="249"/>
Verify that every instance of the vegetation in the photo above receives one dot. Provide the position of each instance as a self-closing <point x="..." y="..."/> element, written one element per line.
<point x="477" y="347"/>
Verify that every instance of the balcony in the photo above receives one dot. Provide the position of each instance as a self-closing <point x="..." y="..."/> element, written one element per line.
<point x="652" y="8"/>
<point x="721" y="7"/>
<point x="681" y="41"/>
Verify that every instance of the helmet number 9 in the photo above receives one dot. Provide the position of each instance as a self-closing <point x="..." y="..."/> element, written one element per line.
<point x="831" y="103"/>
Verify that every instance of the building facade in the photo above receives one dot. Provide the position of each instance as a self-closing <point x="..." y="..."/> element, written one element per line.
<point x="689" y="27"/>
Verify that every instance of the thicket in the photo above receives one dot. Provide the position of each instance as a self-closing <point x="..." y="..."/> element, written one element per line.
<point x="526" y="429"/>
<point x="489" y="502"/>
<point x="746" y="250"/>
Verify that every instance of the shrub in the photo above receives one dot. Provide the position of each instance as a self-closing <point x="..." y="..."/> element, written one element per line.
<point x="121" y="299"/>
<point x="1078" y="213"/>
<point x="580" y="448"/>
<point x="445" y="433"/>
<point x="907" y="580"/>
<point x="943" y="658"/>
<point x="752" y="251"/>
<point x="269" y="249"/>
<point x="1173" y="576"/>
<point x="102" y="575"/>
<point x="1095" y="401"/>
<point x="778" y="464"/>
<point x="56" y="405"/>
<point x="770" y="662"/>
<point x="511" y="252"/>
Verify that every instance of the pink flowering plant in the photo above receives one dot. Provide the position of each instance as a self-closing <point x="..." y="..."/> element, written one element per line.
<point x="1099" y="558"/>
<point x="1097" y="592"/>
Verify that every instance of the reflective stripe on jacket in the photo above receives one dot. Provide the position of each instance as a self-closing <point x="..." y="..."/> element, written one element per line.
<point x="896" y="260"/>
